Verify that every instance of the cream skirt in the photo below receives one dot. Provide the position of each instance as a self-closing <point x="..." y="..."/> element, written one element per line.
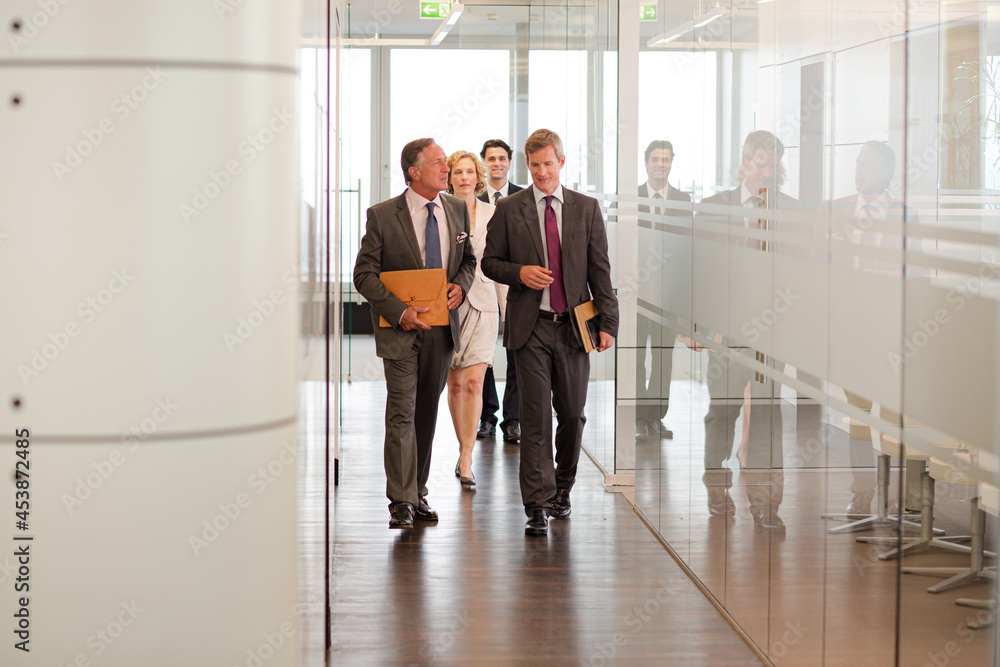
<point x="478" y="333"/>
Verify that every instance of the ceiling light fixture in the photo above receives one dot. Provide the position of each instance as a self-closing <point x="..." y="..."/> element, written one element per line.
<point x="688" y="26"/>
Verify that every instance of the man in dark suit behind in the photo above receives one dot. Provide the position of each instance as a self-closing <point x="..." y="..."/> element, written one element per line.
<point x="421" y="228"/>
<point x="654" y="398"/>
<point x="550" y="245"/>
<point x="497" y="155"/>
<point x="859" y="220"/>
<point x="731" y="385"/>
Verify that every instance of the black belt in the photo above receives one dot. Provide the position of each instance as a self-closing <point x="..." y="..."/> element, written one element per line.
<point x="554" y="317"/>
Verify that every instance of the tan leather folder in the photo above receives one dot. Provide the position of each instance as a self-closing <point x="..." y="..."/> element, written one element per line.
<point x="423" y="288"/>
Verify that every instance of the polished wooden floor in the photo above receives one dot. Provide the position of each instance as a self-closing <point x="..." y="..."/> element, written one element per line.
<point x="473" y="589"/>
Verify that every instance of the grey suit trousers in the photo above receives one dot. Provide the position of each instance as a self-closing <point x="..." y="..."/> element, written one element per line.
<point x="552" y="371"/>
<point x="414" y="385"/>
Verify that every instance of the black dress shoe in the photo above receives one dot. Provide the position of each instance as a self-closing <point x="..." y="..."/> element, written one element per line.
<point x="656" y="429"/>
<point x="402" y="516"/>
<point x="720" y="503"/>
<point x="424" y="511"/>
<point x="559" y="508"/>
<point x="511" y="432"/>
<point x="537" y="523"/>
<point x="486" y="430"/>
<point x="764" y="519"/>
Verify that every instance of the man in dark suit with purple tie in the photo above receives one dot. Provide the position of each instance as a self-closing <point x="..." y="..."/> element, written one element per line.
<point x="551" y="246"/>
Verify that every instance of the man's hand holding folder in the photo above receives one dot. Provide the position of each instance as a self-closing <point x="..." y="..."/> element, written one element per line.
<point x="427" y="294"/>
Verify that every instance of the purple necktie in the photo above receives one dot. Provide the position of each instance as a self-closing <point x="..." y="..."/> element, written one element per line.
<point x="557" y="293"/>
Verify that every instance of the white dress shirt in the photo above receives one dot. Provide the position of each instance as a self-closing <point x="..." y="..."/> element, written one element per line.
<point x="557" y="203"/>
<point x="418" y="214"/>
<point x="503" y="191"/>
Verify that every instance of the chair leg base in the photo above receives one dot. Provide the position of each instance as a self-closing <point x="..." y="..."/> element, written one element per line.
<point x="962" y="576"/>
<point x="913" y="545"/>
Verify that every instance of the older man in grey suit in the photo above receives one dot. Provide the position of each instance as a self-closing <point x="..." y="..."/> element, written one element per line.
<point x="550" y="245"/>
<point x="421" y="228"/>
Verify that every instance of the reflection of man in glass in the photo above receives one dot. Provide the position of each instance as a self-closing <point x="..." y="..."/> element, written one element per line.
<point x="653" y="399"/>
<point x="732" y="387"/>
<point x="858" y="219"/>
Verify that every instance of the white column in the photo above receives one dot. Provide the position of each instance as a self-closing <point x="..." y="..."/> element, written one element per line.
<point x="148" y="272"/>
<point x="628" y="181"/>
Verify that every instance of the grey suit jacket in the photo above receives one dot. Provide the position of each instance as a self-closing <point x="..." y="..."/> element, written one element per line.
<point x="390" y="244"/>
<point x="514" y="239"/>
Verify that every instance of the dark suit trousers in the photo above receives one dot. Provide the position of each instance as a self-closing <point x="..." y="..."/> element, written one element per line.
<point x="763" y="473"/>
<point x="553" y="372"/>
<point x="491" y="403"/>
<point x="414" y="385"/>
<point x="654" y="399"/>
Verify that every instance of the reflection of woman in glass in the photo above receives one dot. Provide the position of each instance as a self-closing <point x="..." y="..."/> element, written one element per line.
<point x="478" y="316"/>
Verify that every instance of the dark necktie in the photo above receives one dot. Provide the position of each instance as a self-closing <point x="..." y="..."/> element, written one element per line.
<point x="432" y="242"/>
<point x="496" y="197"/>
<point x="557" y="293"/>
<point x="656" y="209"/>
<point x="754" y="202"/>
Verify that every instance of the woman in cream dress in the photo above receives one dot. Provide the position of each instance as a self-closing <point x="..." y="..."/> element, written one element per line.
<point x="479" y="316"/>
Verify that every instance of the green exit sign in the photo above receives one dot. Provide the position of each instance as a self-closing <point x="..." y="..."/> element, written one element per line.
<point x="434" y="10"/>
<point x="647" y="12"/>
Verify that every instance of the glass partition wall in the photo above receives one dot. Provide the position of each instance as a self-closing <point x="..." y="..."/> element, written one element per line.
<point x="817" y="329"/>
<point x="801" y="201"/>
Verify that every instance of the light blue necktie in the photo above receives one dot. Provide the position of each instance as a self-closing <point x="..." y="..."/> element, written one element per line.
<point x="432" y="242"/>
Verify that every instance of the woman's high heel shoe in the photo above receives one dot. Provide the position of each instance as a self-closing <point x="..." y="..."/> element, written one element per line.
<point x="457" y="472"/>
<point x="468" y="482"/>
